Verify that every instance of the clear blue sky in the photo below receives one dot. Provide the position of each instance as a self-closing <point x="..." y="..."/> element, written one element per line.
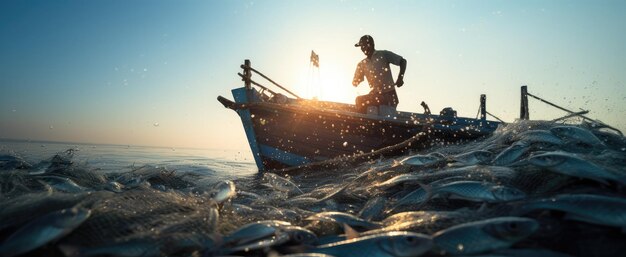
<point x="148" y="72"/>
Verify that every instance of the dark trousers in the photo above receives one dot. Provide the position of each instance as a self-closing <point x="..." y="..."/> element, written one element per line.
<point x="375" y="99"/>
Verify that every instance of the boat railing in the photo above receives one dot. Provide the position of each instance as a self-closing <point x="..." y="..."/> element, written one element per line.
<point x="247" y="78"/>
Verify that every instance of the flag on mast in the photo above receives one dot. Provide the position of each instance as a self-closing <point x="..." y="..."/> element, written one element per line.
<point x="315" y="59"/>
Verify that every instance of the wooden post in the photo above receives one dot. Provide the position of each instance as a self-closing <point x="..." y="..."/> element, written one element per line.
<point x="247" y="74"/>
<point x="483" y="107"/>
<point x="524" y="115"/>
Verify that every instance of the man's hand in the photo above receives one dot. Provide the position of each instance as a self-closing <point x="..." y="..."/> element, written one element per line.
<point x="400" y="81"/>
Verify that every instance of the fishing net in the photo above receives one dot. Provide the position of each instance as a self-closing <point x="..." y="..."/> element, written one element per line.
<point x="173" y="213"/>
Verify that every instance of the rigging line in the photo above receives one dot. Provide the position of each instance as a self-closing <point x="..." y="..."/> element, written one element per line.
<point x="257" y="84"/>
<point x="270" y="80"/>
<point x="571" y="112"/>
<point x="494" y="116"/>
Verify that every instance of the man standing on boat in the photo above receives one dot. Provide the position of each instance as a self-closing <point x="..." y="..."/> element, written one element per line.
<point x="375" y="67"/>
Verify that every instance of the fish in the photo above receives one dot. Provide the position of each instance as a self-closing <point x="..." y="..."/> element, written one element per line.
<point x="511" y="154"/>
<point x="473" y="158"/>
<point x="114" y="186"/>
<point x="390" y="244"/>
<point x="63" y="184"/>
<point x="577" y="134"/>
<point x="538" y="136"/>
<point x="589" y="208"/>
<point x="419" y="160"/>
<point x="475" y="172"/>
<point x="281" y="184"/>
<point x="373" y="208"/>
<point x="344" y="218"/>
<point x="398" y="180"/>
<point x="429" y="216"/>
<point x="476" y="191"/>
<point x="299" y="235"/>
<point x="262" y="243"/>
<point x="420" y="221"/>
<point x="300" y="255"/>
<point x="43" y="230"/>
<point x="254" y="231"/>
<point x="223" y="191"/>
<point x="484" y="235"/>
<point x="571" y="165"/>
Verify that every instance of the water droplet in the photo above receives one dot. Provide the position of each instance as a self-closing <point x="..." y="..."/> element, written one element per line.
<point x="345" y="144"/>
<point x="156" y="124"/>
<point x="51" y="127"/>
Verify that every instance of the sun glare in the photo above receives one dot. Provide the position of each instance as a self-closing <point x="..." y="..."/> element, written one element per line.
<point x="328" y="83"/>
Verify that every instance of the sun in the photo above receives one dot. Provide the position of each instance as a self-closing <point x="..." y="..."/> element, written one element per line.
<point x="328" y="83"/>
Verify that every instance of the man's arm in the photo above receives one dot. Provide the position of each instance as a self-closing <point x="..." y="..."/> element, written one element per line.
<point x="400" y="80"/>
<point x="358" y="75"/>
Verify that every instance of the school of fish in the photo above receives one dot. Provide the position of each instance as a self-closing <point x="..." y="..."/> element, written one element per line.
<point x="530" y="189"/>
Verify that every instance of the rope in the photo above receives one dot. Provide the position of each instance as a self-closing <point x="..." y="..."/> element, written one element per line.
<point x="576" y="114"/>
<point x="270" y="80"/>
<point x="571" y="115"/>
<point x="494" y="116"/>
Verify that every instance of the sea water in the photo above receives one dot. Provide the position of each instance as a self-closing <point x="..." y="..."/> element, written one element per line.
<point x="220" y="163"/>
<point x="147" y="201"/>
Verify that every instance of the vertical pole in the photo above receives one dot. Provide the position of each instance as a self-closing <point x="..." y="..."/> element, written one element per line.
<point x="524" y="115"/>
<point x="483" y="107"/>
<point x="247" y="74"/>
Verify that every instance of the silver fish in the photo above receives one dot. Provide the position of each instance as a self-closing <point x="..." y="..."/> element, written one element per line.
<point x="281" y="184"/>
<point x="596" y="209"/>
<point x="254" y="231"/>
<point x="344" y="218"/>
<point x="302" y="255"/>
<point x="467" y="190"/>
<point x="114" y="186"/>
<point x="398" y="180"/>
<point x="299" y="235"/>
<point x="473" y="158"/>
<point x="420" y="160"/>
<point x="427" y="216"/>
<point x="577" y="134"/>
<point x="373" y="208"/>
<point x="391" y="244"/>
<point x="538" y="136"/>
<point x="43" y="230"/>
<point x="473" y="172"/>
<point x="262" y="243"/>
<point x="571" y="165"/>
<point x="483" y="236"/>
<point x="222" y="191"/>
<point x="511" y="154"/>
<point x="480" y="191"/>
<point x="63" y="184"/>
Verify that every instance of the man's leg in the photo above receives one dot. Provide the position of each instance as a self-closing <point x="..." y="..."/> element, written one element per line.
<point x="363" y="101"/>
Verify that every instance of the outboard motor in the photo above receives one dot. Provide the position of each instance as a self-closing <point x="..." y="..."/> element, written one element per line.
<point x="448" y="112"/>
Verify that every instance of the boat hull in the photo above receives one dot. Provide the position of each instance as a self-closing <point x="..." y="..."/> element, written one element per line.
<point x="294" y="132"/>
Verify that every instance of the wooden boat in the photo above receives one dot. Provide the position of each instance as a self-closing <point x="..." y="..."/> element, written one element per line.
<point x="287" y="132"/>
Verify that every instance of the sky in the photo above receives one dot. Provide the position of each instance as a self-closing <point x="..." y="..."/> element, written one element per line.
<point x="148" y="72"/>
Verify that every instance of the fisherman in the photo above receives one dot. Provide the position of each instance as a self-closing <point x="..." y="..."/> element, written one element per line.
<point x="375" y="67"/>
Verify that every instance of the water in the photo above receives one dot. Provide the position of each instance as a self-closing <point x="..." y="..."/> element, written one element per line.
<point x="182" y="202"/>
<point x="224" y="164"/>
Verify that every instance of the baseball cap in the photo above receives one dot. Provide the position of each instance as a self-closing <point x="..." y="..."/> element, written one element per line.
<point x="365" y="40"/>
